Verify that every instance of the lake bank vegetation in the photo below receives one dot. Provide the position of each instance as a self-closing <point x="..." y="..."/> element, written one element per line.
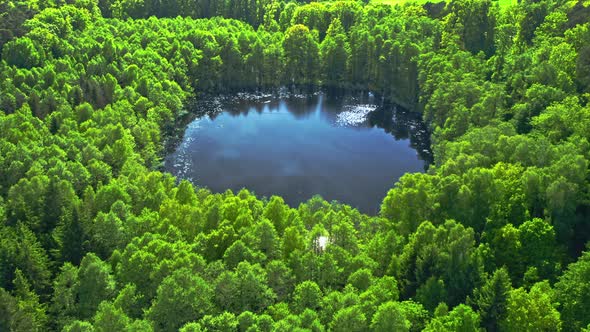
<point x="94" y="238"/>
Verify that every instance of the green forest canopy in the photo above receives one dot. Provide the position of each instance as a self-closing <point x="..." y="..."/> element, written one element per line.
<point x="94" y="238"/>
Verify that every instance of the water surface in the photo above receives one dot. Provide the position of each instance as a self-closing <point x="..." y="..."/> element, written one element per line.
<point x="344" y="149"/>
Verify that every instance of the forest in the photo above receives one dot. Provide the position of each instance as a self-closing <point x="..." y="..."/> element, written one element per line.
<point x="95" y="237"/>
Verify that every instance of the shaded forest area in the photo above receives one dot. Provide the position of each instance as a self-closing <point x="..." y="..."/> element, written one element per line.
<point x="94" y="238"/>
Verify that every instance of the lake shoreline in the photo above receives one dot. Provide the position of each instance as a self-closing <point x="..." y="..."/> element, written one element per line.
<point x="355" y="136"/>
<point x="205" y="104"/>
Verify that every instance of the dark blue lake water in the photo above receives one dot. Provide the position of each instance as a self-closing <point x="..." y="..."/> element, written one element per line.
<point x="344" y="149"/>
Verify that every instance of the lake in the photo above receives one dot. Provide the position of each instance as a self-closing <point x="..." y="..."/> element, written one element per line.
<point x="343" y="148"/>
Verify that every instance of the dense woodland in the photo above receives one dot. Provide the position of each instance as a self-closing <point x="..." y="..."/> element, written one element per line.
<point x="93" y="237"/>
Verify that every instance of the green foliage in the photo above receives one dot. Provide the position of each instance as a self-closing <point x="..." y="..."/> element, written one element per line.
<point x="110" y="318"/>
<point x="21" y="311"/>
<point x="335" y="52"/>
<point x="181" y="298"/>
<point x="307" y="295"/>
<point x="226" y="322"/>
<point x="95" y="284"/>
<point x="572" y="294"/>
<point x="94" y="238"/>
<point x="349" y="319"/>
<point x="301" y="56"/>
<point x="532" y="311"/>
<point x="79" y="326"/>
<point x="492" y="298"/>
<point x="22" y="53"/>
<point x="244" y="289"/>
<point x="390" y="317"/>
<point x="461" y="318"/>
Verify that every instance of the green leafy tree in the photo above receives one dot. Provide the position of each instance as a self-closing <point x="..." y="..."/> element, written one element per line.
<point x="307" y="295"/>
<point x="244" y="289"/>
<point x="181" y="297"/>
<point x="23" y="311"/>
<point x="532" y="311"/>
<point x="335" y="52"/>
<point x="461" y="318"/>
<point x="539" y="247"/>
<point x="390" y="317"/>
<point x="22" y="53"/>
<point x="70" y="236"/>
<point x="416" y="314"/>
<point x="431" y="293"/>
<point x="361" y="279"/>
<point x="225" y="322"/>
<point x="349" y="319"/>
<point x="301" y="52"/>
<point x="492" y="298"/>
<point x="96" y="284"/>
<point x="191" y="327"/>
<point x="20" y="250"/>
<point x="110" y="318"/>
<point x="280" y="279"/>
<point x="571" y="291"/>
<point x="79" y="326"/>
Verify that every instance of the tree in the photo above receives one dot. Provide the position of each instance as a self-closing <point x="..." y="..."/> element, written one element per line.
<point x="431" y="293"/>
<point x="236" y="253"/>
<point x="280" y="279"/>
<point x="349" y="319"/>
<point x="475" y="22"/>
<point x="440" y="260"/>
<point x="381" y="290"/>
<point x="79" y="326"/>
<point x="226" y="322"/>
<point x="191" y="327"/>
<point x="231" y="70"/>
<point x="70" y="236"/>
<point x="532" y="311"/>
<point x="181" y="297"/>
<point x="390" y="317"/>
<point x="8" y="307"/>
<point x="539" y="247"/>
<point x="301" y="52"/>
<point x="267" y="240"/>
<point x="533" y="14"/>
<point x="461" y="318"/>
<point x="186" y="193"/>
<point x="20" y="250"/>
<point x="110" y="318"/>
<point x="65" y="295"/>
<point x="416" y="314"/>
<point x="310" y="320"/>
<point x="23" y="311"/>
<point x="276" y="211"/>
<point x="22" y="53"/>
<point x="410" y="202"/>
<point x="307" y="295"/>
<point x="95" y="284"/>
<point x="361" y="279"/>
<point x="582" y="69"/>
<point x="492" y="298"/>
<point x="335" y="53"/>
<point x="362" y="46"/>
<point x="572" y="291"/>
<point x="244" y="289"/>
<point x="107" y="232"/>
<point x="292" y="241"/>
<point x="128" y="301"/>
<point x="507" y="249"/>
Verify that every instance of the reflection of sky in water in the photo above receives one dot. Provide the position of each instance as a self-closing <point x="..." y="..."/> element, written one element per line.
<point x="297" y="148"/>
